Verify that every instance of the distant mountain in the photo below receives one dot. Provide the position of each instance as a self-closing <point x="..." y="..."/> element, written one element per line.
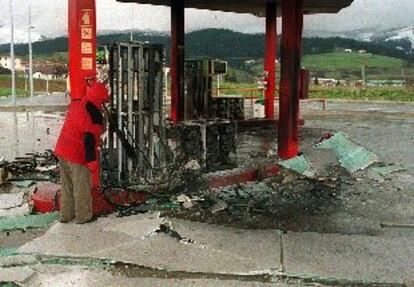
<point x="403" y="36"/>
<point x="20" y="36"/>
<point x="360" y="34"/>
<point x="233" y="46"/>
<point x="405" y="33"/>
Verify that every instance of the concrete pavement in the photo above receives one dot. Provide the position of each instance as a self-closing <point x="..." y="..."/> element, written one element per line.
<point x="197" y="248"/>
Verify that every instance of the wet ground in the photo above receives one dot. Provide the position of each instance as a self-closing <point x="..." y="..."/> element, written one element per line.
<point x="351" y="204"/>
<point x="341" y="203"/>
<point x="36" y="132"/>
<point x="355" y="204"/>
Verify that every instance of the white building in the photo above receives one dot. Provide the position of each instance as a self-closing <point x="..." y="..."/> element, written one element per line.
<point x="50" y="72"/>
<point x="6" y="62"/>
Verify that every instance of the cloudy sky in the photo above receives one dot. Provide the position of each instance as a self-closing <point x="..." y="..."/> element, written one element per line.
<point x="50" y="17"/>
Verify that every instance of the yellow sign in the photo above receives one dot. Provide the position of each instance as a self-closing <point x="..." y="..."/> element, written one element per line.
<point x="86" y="48"/>
<point x="86" y="33"/>
<point x="86" y="63"/>
<point x="86" y="17"/>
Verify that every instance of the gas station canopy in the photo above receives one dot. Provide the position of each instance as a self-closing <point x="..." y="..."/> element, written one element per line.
<point x="255" y="7"/>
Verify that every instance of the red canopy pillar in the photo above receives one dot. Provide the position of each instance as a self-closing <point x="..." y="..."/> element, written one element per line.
<point x="177" y="60"/>
<point x="82" y="64"/>
<point x="270" y="58"/>
<point x="82" y="45"/>
<point x="292" y="26"/>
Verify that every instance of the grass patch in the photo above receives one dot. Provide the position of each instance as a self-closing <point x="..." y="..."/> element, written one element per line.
<point x="241" y="89"/>
<point x="335" y="61"/>
<point x="39" y="85"/>
<point x="403" y="94"/>
<point x="4" y="92"/>
<point x="370" y="94"/>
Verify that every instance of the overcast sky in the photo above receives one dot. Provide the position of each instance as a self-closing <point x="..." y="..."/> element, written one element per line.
<point x="50" y="17"/>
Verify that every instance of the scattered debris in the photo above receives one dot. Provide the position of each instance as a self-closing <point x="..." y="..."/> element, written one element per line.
<point x="386" y="170"/>
<point x="219" y="206"/>
<point x="24" y="183"/>
<point x="185" y="201"/>
<point x="11" y="200"/>
<point x="24" y="209"/>
<point x="46" y="168"/>
<point x="25" y="222"/>
<point x="15" y="203"/>
<point x="396" y="225"/>
<point x="351" y="156"/>
<point x="192" y="165"/>
<point x="300" y="164"/>
<point x="39" y="166"/>
<point x="5" y="175"/>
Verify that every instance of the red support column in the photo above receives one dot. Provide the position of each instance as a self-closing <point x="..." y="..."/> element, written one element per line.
<point x="270" y="58"/>
<point x="292" y="25"/>
<point x="82" y="64"/>
<point x="82" y="45"/>
<point x="177" y="60"/>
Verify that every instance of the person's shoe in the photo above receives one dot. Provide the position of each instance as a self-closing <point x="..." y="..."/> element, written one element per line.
<point x="64" y="220"/>
<point x="83" y="221"/>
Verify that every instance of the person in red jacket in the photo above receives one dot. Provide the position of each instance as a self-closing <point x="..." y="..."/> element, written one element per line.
<point x="77" y="150"/>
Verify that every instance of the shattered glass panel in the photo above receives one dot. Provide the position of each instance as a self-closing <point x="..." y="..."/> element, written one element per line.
<point x="350" y="155"/>
<point x="300" y="164"/>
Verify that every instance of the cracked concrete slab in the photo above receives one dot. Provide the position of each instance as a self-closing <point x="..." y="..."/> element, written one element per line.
<point x="11" y="200"/>
<point x="134" y="240"/>
<point x="24" y="209"/>
<point x="15" y="274"/>
<point x="89" y="239"/>
<point x="356" y="258"/>
<point x="51" y="276"/>
<point x="163" y="252"/>
<point x="203" y="248"/>
<point x="240" y="242"/>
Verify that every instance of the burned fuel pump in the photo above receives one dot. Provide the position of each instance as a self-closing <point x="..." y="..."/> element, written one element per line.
<point x="201" y="102"/>
<point x="208" y="132"/>
<point x="141" y="148"/>
<point x="135" y="150"/>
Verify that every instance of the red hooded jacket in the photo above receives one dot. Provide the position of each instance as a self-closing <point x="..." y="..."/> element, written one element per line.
<point x="80" y="136"/>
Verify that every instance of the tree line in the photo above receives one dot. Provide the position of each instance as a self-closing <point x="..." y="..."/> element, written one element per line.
<point x="229" y="45"/>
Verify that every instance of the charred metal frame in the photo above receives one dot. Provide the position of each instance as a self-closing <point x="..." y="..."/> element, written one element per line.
<point x="200" y="103"/>
<point x="136" y="82"/>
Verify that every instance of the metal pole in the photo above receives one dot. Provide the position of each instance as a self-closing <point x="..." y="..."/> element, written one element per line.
<point x="13" y="75"/>
<point x="270" y="58"/>
<point x="12" y="58"/>
<point x="218" y="85"/>
<point x="177" y="60"/>
<point x="31" y="85"/>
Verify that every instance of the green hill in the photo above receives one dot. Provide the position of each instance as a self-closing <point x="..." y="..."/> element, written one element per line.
<point x="322" y="55"/>
<point x="226" y="44"/>
<point x="340" y="60"/>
